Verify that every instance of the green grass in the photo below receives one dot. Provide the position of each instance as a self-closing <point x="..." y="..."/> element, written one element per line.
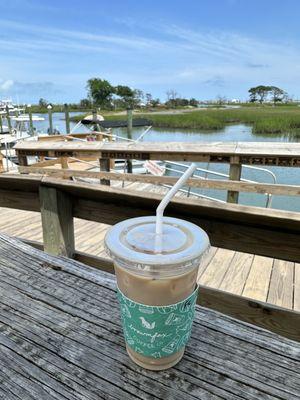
<point x="264" y="119"/>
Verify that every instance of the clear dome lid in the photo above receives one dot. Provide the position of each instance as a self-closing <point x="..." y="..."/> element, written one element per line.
<point x="132" y="244"/>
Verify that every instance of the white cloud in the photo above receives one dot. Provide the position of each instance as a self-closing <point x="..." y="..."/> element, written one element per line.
<point x="6" y="85"/>
<point x="179" y="57"/>
<point x="90" y="39"/>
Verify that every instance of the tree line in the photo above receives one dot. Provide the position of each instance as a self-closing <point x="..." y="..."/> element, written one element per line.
<point x="262" y="93"/>
<point x="102" y="93"/>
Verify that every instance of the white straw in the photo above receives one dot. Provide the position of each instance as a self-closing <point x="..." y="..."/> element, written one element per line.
<point x="163" y="204"/>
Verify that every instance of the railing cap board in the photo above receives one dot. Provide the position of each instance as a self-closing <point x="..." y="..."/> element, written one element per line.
<point x="280" y="149"/>
<point x="20" y="182"/>
<point x="226" y="211"/>
<point x="260" y="153"/>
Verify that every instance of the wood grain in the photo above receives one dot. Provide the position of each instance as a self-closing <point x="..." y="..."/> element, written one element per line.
<point x="57" y="222"/>
<point x="235" y="171"/>
<point x="257" y="283"/>
<point x="273" y="318"/>
<point x="216" y="270"/>
<point x="281" y="284"/>
<point x="271" y="233"/>
<point x="61" y="339"/>
<point x="237" y="273"/>
<point x="248" y="187"/>
<point x="258" y="153"/>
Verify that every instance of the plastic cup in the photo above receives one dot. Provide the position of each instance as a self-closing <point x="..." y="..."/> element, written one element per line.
<point x="157" y="291"/>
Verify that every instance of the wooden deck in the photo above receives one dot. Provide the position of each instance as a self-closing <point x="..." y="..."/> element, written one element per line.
<point x="260" y="278"/>
<point x="61" y="339"/>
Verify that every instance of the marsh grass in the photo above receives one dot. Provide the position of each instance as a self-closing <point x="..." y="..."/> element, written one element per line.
<point x="264" y="119"/>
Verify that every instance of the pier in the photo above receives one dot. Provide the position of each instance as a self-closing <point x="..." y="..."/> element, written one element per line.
<point x="254" y="263"/>
<point x="59" y="315"/>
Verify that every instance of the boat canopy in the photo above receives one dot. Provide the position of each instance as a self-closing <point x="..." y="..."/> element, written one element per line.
<point x="25" y="118"/>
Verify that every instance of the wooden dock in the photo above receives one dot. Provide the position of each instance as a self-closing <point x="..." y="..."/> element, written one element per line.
<point x="61" y="339"/>
<point x="252" y="272"/>
<point x="256" y="277"/>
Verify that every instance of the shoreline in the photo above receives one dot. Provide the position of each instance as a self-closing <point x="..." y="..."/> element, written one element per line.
<point x="262" y="119"/>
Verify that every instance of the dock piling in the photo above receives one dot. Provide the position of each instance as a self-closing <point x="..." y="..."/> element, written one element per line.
<point x="49" y="107"/>
<point x="129" y="135"/>
<point x="67" y="117"/>
<point x="30" y="120"/>
<point x="8" y="120"/>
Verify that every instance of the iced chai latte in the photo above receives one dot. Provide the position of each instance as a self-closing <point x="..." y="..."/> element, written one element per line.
<point x="156" y="286"/>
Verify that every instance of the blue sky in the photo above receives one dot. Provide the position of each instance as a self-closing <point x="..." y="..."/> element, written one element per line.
<point x="200" y="48"/>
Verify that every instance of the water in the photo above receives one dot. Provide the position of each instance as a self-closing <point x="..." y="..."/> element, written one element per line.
<point x="58" y="120"/>
<point x="239" y="132"/>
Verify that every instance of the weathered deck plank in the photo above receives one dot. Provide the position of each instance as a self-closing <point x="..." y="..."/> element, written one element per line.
<point x="237" y="273"/>
<point x="258" y="281"/>
<point x="281" y="284"/>
<point x="217" y="268"/>
<point x="60" y="338"/>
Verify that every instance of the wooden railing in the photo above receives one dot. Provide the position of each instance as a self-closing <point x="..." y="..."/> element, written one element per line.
<point x="238" y="186"/>
<point x="254" y="230"/>
<point x="234" y="153"/>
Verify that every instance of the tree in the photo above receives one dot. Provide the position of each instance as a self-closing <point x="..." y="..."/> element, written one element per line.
<point x="138" y="97"/>
<point x="149" y="99"/>
<point x="193" y="102"/>
<point x="100" y="91"/>
<point x="124" y="92"/>
<point x="277" y="94"/>
<point x="84" y="103"/>
<point x="221" y="100"/>
<point x="171" y="94"/>
<point x="253" y="95"/>
<point x="172" y="98"/>
<point x="155" y="102"/>
<point x="43" y="103"/>
<point x="129" y="97"/>
<point x="261" y="92"/>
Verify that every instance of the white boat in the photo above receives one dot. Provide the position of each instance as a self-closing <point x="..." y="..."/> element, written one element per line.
<point x="20" y="131"/>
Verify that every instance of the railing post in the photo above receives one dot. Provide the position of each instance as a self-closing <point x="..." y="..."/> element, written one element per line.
<point x="129" y="136"/>
<point x="104" y="166"/>
<point x="112" y="160"/>
<point x="23" y="161"/>
<point x="235" y="171"/>
<point x="67" y="117"/>
<point x="57" y="222"/>
<point x="64" y="164"/>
